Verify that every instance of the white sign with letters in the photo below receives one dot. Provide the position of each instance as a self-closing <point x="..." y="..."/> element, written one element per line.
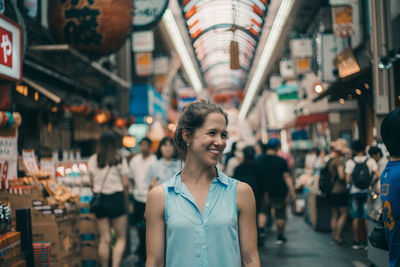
<point x="8" y="156"/>
<point x="148" y="13"/>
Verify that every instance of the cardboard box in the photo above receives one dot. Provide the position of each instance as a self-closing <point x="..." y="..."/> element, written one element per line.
<point x="71" y="261"/>
<point x="84" y="208"/>
<point x="89" y="250"/>
<point x="61" y="232"/>
<point x="20" y="201"/>
<point x="88" y="224"/>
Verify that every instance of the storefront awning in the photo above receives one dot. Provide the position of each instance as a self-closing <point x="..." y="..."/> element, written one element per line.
<point x="304" y="120"/>
<point x="55" y="98"/>
<point x="349" y="87"/>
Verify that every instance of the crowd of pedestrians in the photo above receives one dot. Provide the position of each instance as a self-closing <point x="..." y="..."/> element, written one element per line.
<point x="188" y="210"/>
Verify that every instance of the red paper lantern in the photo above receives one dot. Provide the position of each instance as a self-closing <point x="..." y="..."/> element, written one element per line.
<point x="97" y="27"/>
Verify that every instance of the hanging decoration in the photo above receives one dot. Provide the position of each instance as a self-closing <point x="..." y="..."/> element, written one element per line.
<point x="10" y="120"/>
<point x="96" y="27"/>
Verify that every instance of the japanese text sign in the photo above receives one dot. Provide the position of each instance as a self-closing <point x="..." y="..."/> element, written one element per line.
<point x="148" y="13"/>
<point x="8" y="155"/>
<point x="10" y="50"/>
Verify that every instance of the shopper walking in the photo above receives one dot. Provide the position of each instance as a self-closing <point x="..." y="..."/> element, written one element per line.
<point x="246" y="171"/>
<point x="201" y="217"/>
<point x="359" y="171"/>
<point x="277" y="184"/>
<point x="338" y="197"/>
<point x="166" y="164"/>
<point x="139" y="166"/>
<point x="390" y="185"/>
<point x="109" y="171"/>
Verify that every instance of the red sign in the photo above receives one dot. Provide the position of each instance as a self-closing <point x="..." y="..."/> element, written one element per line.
<point x="6" y="46"/>
<point x="10" y="50"/>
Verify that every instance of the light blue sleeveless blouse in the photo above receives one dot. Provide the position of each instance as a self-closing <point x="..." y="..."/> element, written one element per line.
<point x="210" y="239"/>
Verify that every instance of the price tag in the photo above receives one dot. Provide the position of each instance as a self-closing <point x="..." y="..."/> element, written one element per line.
<point x="28" y="157"/>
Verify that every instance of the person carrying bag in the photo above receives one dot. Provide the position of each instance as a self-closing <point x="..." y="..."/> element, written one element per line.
<point x="95" y="203"/>
<point x="109" y="203"/>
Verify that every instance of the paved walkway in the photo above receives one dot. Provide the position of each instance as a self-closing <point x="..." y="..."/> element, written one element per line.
<point x="306" y="247"/>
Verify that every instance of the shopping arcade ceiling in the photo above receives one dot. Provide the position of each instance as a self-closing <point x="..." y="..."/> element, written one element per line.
<point x="212" y="25"/>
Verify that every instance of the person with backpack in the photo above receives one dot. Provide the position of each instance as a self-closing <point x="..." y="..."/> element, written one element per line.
<point x="359" y="172"/>
<point x="333" y="184"/>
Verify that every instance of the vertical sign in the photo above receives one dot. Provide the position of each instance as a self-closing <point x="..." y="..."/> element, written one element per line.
<point x="8" y="154"/>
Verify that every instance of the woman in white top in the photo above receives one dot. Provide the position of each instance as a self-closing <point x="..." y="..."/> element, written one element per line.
<point x="109" y="175"/>
<point x="166" y="165"/>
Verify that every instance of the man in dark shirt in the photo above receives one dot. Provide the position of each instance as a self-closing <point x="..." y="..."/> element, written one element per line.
<point x="277" y="184"/>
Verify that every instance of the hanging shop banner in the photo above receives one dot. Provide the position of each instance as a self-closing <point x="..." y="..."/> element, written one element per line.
<point x="301" y="48"/>
<point x="343" y="21"/>
<point x="143" y="41"/>
<point x="138" y="104"/>
<point x="331" y="46"/>
<point x="161" y="65"/>
<point x="346" y="63"/>
<point x="157" y="105"/>
<point x="286" y="68"/>
<point x="8" y="154"/>
<point x="303" y="65"/>
<point x="159" y="81"/>
<point x="144" y="64"/>
<point x="10" y="50"/>
<point x="147" y="13"/>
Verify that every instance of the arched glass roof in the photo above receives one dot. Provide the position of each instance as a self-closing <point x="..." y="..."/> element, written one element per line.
<point x="212" y="25"/>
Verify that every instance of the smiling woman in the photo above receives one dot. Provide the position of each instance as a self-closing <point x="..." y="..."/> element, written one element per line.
<point x="201" y="217"/>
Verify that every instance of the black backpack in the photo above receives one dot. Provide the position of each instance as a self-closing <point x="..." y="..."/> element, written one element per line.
<point x="325" y="180"/>
<point x="361" y="176"/>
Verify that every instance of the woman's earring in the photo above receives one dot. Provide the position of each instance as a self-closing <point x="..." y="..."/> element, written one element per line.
<point x="187" y="144"/>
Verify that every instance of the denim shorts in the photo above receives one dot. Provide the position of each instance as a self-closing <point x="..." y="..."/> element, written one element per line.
<point x="358" y="205"/>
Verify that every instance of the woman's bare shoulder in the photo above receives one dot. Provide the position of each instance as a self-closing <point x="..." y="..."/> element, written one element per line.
<point x="156" y="194"/>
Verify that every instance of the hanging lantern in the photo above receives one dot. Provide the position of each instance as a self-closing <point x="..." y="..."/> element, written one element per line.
<point x="97" y="27"/>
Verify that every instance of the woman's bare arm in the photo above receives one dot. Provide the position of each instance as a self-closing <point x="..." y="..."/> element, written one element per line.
<point x="247" y="225"/>
<point x="155" y="227"/>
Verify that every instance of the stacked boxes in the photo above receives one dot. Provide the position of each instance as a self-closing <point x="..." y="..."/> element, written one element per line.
<point x="62" y="232"/>
<point x="89" y="236"/>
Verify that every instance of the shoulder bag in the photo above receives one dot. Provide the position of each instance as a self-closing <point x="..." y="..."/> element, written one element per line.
<point x="95" y="203"/>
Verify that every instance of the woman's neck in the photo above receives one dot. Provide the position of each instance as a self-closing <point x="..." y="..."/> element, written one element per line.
<point x="193" y="171"/>
<point x="166" y="159"/>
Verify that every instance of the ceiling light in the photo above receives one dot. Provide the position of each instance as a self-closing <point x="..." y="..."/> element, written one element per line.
<point x="149" y="119"/>
<point x="318" y="88"/>
<point x="269" y="48"/>
<point x="180" y="48"/>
